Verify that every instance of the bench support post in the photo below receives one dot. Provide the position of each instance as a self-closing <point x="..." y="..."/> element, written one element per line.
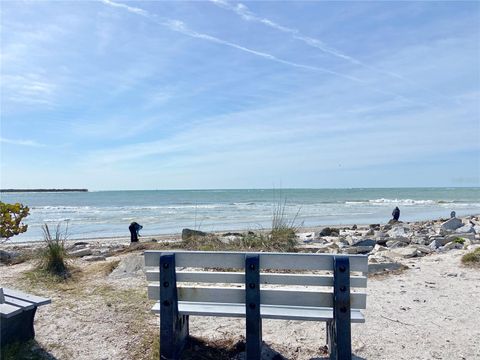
<point x="252" y="307"/>
<point x="173" y="327"/>
<point x="339" y="329"/>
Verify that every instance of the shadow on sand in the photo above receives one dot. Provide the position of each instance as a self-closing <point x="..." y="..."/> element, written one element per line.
<point x="225" y="349"/>
<point x="30" y="350"/>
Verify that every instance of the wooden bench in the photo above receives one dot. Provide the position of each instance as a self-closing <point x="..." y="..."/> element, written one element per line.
<point x="288" y="286"/>
<point x="17" y="312"/>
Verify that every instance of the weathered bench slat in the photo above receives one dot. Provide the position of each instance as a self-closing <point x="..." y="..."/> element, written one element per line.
<point x="236" y="260"/>
<point x="20" y="303"/>
<point x="293" y="297"/>
<point x="8" y="310"/>
<point x="265" y="278"/>
<point x="266" y="311"/>
<point x="36" y="300"/>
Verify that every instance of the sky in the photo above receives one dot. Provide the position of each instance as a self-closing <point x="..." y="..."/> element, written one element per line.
<point x="225" y="94"/>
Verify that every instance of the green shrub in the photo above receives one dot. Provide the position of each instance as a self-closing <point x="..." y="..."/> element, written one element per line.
<point x="459" y="240"/>
<point x="11" y="216"/>
<point x="53" y="256"/>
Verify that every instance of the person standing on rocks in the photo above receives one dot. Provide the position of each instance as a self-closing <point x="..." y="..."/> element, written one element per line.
<point x="396" y="213"/>
<point x="134" y="229"/>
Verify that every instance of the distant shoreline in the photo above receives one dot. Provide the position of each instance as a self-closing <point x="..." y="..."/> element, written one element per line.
<point x="42" y="190"/>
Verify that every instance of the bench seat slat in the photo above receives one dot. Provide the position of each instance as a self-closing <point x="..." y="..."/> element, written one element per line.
<point x="265" y="278"/>
<point x="266" y="311"/>
<point x="288" y="261"/>
<point x="19" y="303"/>
<point x="8" y="310"/>
<point x="281" y="296"/>
<point x="36" y="300"/>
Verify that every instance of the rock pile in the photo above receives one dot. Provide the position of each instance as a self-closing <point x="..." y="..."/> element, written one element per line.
<point x="396" y="240"/>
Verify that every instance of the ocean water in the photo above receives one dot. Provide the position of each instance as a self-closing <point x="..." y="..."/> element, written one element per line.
<point x="108" y="213"/>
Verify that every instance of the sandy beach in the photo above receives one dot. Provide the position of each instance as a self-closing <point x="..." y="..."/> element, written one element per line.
<point x="428" y="309"/>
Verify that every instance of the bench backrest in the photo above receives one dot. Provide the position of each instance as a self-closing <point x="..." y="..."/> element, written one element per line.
<point x="199" y="279"/>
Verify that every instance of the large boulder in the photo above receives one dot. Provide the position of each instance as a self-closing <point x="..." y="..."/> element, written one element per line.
<point x="452" y="224"/>
<point x="366" y="242"/>
<point x="398" y="233"/>
<point x="187" y="234"/>
<point x="129" y="266"/>
<point x="329" y="232"/>
<point x="465" y="229"/>
<point x="7" y="257"/>
<point x="393" y="244"/>
<point x="405" y="252"/>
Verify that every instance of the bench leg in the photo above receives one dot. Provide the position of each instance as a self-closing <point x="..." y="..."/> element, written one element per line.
<point x="18" y="328"/>
<point x="339" y="329"/>
<point x="252" y="307"/>
<point x="173" y="327"/>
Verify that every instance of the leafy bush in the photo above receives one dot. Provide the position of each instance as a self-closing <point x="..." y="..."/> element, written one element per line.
<point x="53" y="255"/>
<point x="11" y="217"/>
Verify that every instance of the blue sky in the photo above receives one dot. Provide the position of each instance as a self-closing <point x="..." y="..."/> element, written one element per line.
<point x="216" y="94"/>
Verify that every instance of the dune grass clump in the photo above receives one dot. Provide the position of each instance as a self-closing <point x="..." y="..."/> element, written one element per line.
<point x="283" y="234"/>
<point x="53" y="257"/>
<point x="472" y="258"/>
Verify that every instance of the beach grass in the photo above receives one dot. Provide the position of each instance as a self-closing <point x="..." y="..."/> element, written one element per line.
<point x="472" y="258"/>
<point x="53" y="256"/>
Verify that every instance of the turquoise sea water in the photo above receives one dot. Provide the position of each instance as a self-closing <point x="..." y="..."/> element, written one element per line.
<point x="108" y="213"/>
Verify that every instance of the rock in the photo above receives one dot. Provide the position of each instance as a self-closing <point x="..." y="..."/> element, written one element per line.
<point x="374" y="226"/>
<point x="423" y="249"/>
<point x="354" y="227"/>
<point x="326" y="248"/>
<point x="453" y="245"/>
<point x="95" y="258"/>
<point x="80" y="243"/>
<point x="418" y="240"/>
<point x="383" y="267"/>
<point x="365" y="249"/>
<point x="329" y="232"/>
<point x="366" y="242"/>
<point x="378" y="248"/>
<point x="189" y="233"/>
<point x="406" y="252"/>
<point x="393" y="244"/>
<point x="453" y="237"/>
<point x="465" y="229"/>
<point x="452" y="224"/>
<point x="81" y="252"/>
<point x="398" y="233"/>
<point x="370" y="232"/>
<point x="306" y="237"/>
<point x="8" y="256"/>
<point x="131" y="265"/>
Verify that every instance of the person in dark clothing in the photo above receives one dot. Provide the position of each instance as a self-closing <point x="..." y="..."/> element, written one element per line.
<point x="134" y="229"/>
<point x="396" y="213"/>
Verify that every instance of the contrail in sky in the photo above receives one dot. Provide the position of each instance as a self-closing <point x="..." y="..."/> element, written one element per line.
<point x="181" y="27"/>
<point x="245" y="13"/>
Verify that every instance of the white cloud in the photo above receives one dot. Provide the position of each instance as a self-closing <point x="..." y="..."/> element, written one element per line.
<point x="19" y="142"/>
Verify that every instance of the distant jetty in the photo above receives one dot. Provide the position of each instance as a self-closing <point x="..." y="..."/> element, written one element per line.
<point x="42" y="190"/>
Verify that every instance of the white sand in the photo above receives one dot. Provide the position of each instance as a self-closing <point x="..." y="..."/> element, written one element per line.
<point x="430" y="311"/>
